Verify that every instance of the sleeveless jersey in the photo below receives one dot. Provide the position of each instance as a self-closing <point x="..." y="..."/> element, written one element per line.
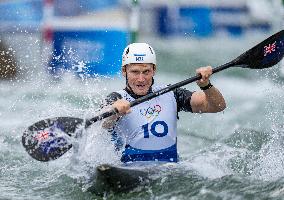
<point x="149" y="131"/>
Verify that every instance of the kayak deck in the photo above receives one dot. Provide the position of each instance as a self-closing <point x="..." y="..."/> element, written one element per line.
<point x="118" y="179"/>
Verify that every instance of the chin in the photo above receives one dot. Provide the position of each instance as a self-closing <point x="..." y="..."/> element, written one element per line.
<point x="141" y="92"/>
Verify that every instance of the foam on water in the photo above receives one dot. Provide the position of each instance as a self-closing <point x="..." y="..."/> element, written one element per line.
<point x="91" y="150"/>
<point x="255" y="105"/>
<point x="270" y="163"/>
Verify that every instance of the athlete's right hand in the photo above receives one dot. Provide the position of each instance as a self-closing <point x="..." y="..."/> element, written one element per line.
<point x="122" y="106"/>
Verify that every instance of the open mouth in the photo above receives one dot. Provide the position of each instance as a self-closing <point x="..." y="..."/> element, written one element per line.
<point x="140" y="86"/>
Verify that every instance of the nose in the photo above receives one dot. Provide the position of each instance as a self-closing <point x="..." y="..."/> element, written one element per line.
<point x="141" y="77"/>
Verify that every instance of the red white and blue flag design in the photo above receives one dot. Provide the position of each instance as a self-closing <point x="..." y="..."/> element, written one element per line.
<point x="42" y="135"/>
<point x="269" y="48"/>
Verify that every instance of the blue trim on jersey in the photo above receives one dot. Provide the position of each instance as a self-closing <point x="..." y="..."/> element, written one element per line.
<point x="131" y="154"/>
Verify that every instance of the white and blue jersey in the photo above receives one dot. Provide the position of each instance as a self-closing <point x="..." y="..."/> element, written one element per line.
<point x="149" y="132"/>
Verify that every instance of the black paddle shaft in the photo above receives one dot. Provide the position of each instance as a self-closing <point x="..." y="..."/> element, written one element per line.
<point x="264" y="55"/>
<point x="155" y="94"/>
<point x="50" y="138"/>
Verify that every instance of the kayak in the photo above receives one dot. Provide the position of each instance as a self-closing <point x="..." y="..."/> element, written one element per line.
<point x="118" y="179"/>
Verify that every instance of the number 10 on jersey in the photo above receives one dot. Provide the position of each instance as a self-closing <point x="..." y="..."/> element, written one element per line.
<point x="153" y="129"/>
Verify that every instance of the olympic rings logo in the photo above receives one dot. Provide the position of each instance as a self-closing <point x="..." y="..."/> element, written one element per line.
<point x="151" y="111"/>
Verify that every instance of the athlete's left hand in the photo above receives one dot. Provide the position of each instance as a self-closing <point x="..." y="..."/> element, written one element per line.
<point x="205" y="73"/>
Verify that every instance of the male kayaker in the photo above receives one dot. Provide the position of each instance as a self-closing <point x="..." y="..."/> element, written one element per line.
<point x="148" y="131"/>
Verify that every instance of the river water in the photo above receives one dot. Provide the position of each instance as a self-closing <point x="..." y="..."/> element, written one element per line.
<point x="235" y="154"/>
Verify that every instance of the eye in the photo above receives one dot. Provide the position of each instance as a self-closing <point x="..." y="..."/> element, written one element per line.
<point x="135" y="72"/>
<point x="146" y="72"/>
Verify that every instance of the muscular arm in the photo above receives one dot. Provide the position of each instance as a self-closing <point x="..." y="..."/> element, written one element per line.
<point x="207" y="101"/>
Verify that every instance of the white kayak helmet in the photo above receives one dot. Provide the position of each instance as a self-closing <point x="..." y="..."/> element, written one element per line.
<point x="138" y="53"/>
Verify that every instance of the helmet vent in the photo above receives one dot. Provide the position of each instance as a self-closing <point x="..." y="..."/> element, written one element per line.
<point x="151" y="50"/>
<point x="127" y="51"/>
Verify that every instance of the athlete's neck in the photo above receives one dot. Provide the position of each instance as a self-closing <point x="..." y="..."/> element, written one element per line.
<point x="136" y="96"/>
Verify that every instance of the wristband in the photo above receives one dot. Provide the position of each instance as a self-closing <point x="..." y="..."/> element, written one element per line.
<point x="207" y="86"/>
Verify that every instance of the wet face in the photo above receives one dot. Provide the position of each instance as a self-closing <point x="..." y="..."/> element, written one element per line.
<point x="139" y="77"/>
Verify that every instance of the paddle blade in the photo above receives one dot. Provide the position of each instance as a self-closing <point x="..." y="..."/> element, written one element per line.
<point x="50" y="138"/>
<point x="265" y="54"/>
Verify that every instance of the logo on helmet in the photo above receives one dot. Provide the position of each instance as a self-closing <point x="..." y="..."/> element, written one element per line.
<point x="139" y="57"/>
